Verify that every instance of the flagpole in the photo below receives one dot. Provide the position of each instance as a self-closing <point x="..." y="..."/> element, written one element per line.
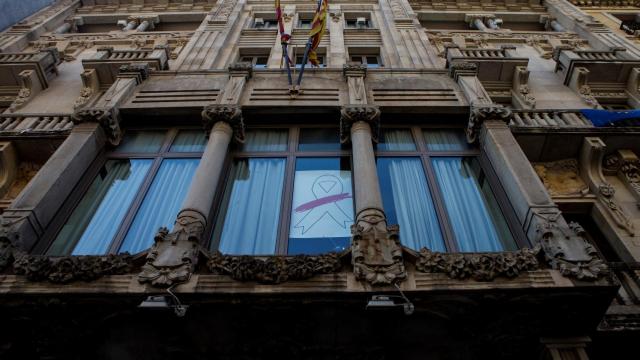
<point x="286" y="62"/>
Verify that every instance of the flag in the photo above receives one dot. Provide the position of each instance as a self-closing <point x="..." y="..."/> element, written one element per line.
<point x="284" y="37"/>
<point x="318" y="26"/>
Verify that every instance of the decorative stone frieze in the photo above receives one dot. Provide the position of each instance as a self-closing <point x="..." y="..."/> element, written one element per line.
<point x="561" y="178"/>
<point x="479" y="266"/>
<point x="349" y="115"/>
<point x="274" y="269"/>
<point x="566" y="249"/>
<point x="109" y="119"/>
<point x="230" y="114"/>
<point x="174" y="254"/>
<point x="70" y="268"/>
<point x="479" y="113"/>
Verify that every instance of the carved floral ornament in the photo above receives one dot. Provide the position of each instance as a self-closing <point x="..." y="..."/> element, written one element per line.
<point x="231" y="114"/>
<point x="479" y="113"/>
<point x="350" y="115"/>
<point x="109" y="119"/>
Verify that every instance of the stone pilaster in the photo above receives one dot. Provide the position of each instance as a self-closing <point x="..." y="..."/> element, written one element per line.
<point x="355" y="75"/>
<point x="375" y="248"/>
<point x="174" y="254"/>
<point x="337" y="53"/>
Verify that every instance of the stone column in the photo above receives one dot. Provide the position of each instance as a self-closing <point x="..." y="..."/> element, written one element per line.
<point x="174" y="254"/>
<point x="131" y="24"/>
<point x="375" y="248"/>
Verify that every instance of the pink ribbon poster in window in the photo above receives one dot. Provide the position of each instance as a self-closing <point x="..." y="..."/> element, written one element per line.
<point x="322" y="204"/>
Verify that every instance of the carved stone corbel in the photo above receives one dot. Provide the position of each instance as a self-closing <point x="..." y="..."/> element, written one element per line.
<point x="109" y="119"/>
<point x="173" y="256"/>
<point x="138" y="71"/>
<point x="626" y="165"/>
<point x="579" y="82"/>
<point x="231" y="114"/>
<point x="376" y="252"/>
<point x="349" y="115"/>
<point x="520" y="88"/>
<point x="90" y="87"/>
<point x="482" y="112"/>
<point x="591" y="157"/>
<point x="29" y="86"/>
<point x="462" y="68"/>
<point x="567" y="250"/>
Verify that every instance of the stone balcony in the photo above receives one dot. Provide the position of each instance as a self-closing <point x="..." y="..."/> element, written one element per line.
<point x="24" y="74"/>
<point x="13" y="125"/>
<point x="609" y="76"/>
<point x="107" y="61"/>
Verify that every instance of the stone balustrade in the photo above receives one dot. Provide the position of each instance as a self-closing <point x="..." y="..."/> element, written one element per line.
<point x="546" y="118"/>
<point x="12" y="125"/>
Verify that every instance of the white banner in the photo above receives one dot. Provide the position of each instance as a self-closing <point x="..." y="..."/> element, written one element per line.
<point x="322" y="204"/>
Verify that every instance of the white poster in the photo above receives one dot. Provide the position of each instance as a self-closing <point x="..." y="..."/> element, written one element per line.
<point x="322" y="204"/>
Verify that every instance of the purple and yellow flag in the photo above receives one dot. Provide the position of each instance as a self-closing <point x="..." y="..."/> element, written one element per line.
<point x="318" y="26"/>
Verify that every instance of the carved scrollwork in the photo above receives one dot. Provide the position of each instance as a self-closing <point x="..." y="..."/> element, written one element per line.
<point x="109" y="119"/>
<point x="350" y="115"/>
<point x="482" y="112"/>
<point x="479" y="266"/>
<point x="231" y="114"/>
<point x="71" y="268"/>
<point x="173" y="256"/>
<point x="274" y="269"/>
<point x="376" y="253"/>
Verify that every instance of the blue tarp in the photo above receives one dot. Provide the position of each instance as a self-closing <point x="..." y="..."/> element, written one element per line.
<point x="601" y="118"/>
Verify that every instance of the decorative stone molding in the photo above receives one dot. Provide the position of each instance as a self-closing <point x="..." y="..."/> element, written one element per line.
<point x="521" y="91"/>
<point x="567" y="250"/>
<point x="561" y="178"/>
<point x="274" y="269"/>
<point x="591" y="159"/>
<point x="482" y="112"/>
<point x="350" y="115"/>
<point x="138" y="70"/>
<point x="70" y="268"/>
<point x="90" y="88"/>
<point x="462" y="68"/>
<point x="173" y="256"/>
<point x="357" y="70"/>
<point x="109" y="119"/>
<point x="479" y="266"/>
<point x="336" y="15"/>
<point x="231" y="114"/>
<point x="376" y="253"/>
<point x="626" y="165"/>
<point x="241" y="69"/>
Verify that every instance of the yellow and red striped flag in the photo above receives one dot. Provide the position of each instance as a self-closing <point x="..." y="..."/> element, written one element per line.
<point x="318" y="27"/>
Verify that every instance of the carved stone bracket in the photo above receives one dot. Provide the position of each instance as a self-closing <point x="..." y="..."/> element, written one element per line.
<point x="520" y="88"/>
<point x="479" y="266"/>
<point x="376" y="253"/>
<point x="231" y="114"/>
<point x="482" y="112"/>
<point x="109" y="119"/>
<point x="626" y="165"/>
<point x="241" y="69"/>
<point x="90" y="87"/>
<point x="30" y="85"/>
<point x="354" y="70"/>
<point x="352" y="114"/>
<point x="274" y="269"/>
<point x="567" y="250"/>
<point x="138" y="71"/>
<point x="462" y="68"/>
<point x="174" y="255"/>
<point x="591" y="158"/>
<point x="71" y="268"/>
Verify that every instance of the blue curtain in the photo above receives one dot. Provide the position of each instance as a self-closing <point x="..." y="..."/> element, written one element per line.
<point x="408" y="202"/>
<point x="248" y="224"/>
<point x="266" y="140"/>
<point x="467" y="208"/>
<point x="445" y="140"/>
<point x="142" y="142"/>
<point x="396" y="140"/>
<point x="94" y="222"/>
<point x="161" y="203"/>
<point x="189" y="141"/>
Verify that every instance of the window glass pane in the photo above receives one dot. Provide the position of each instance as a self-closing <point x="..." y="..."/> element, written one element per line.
<point x="445" y="140"/>
<point x="322" y="139"/>
<point x="265" y="140"/>
<point x="372" y="60"/>
<point x="475" y="218"/>
<point x="144" y="141"/>
<point x="396" y="140"/>
<point x="322" y="208"/>
<point x="189" y="141"/>
<point x="161" y="203"/>
<point x="248" y="221"/>
<point x="407" y="202"/>
<point x="94" y="222"/>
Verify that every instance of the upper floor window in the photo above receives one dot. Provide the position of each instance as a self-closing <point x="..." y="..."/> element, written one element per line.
<point x="320" y="59"/>
<point x="288" y="191"/>
<point x="259" y="61"/>
<point x="370" y="61"/>
<point x="357" y="21"/>
<point x="262" y="23"/>
<point x="304" y="23"/>
<point x="137" y="188"/>
<point x="434" y="186"/>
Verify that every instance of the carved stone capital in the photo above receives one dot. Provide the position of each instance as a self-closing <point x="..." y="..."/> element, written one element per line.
<point x="357" y="70"/>
<point x="174" y="255"/>
<point x="479" y="266"/>
<point x="567" y="250"/>
<point x="109" y="119"/>
<point x="482" y="112"/>
<point x="137" y="70"/>
<point x="350" y="115"/>
<point x="376" y="253"/>
<point x="230" y="114"/>
<point x="241" y="69"/>
<point x="462" y="68"/>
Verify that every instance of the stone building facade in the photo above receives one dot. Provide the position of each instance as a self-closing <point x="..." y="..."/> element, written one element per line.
<point x="433" y="189"/>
